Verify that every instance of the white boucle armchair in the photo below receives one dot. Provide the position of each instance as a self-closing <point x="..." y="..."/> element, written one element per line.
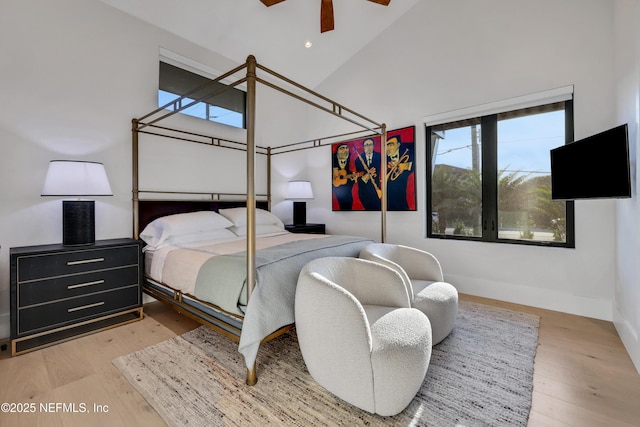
<point x="425" y="283"/>
<point x="358" y="334"/>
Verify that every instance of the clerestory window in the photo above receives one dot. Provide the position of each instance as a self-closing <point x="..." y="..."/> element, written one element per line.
<point x="228" y="107"/>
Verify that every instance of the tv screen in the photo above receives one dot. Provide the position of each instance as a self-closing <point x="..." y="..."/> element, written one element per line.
<point x="593" y="167"/>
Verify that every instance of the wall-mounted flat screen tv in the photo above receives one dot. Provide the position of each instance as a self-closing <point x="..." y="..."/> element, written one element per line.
<point x="593" y="167"/>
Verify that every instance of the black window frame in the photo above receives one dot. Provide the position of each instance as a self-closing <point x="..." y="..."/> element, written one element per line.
<point x="179" y="81"/>
<point x="489" y="160"/>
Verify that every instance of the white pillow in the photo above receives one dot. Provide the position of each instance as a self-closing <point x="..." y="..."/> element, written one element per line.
<point x="201" y="236"/>
<point x="239" y="217"/>
<point x="260" y="229"/>
<point x="166" y="227"/>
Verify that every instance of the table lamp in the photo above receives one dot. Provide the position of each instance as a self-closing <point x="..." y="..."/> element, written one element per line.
<point x="77" y="178"/>
<point x="298" y="191"/>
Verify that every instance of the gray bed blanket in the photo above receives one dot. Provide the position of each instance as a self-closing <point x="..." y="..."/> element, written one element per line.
<point x="222" y="280"/>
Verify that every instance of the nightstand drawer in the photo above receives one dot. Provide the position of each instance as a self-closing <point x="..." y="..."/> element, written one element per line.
<point x="60" y="313"/>
<point x="32" y="267"/>
<point x="42" y="291"/>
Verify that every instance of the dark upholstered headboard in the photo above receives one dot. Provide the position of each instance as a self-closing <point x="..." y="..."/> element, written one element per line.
<point x="148" y="210"/>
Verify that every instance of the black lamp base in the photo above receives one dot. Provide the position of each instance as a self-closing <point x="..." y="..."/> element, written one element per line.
<point x="78" y="222"/>
<point x="299" y="213"/>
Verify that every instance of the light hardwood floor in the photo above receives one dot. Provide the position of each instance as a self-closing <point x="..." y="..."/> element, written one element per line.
<point x="583" y="375"/>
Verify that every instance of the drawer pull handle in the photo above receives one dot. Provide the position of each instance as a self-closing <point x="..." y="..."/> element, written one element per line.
<point x="71" y="310"/>
<point x="85" y="261"/>
<point x="82" y="285"/>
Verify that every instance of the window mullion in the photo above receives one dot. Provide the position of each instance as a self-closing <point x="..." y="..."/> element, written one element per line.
<point x="429" y="159"/>
<point x="569" y="205"/>
<point x="489" y="138"/>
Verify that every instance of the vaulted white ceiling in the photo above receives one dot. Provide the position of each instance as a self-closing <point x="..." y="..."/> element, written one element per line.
<point x="274" y="35"/>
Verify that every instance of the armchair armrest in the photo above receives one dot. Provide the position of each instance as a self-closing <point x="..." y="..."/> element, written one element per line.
<point x="418" y="264"/>
<point x="373" y="284"/>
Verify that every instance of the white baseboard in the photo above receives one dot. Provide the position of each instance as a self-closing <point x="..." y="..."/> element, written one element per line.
<point x="5" y="325"/>
<point x="629" y="336"/>
<point x="535" y="297"/>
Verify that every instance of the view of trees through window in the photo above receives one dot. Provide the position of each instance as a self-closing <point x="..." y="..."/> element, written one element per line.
<point x="491" y="177"/>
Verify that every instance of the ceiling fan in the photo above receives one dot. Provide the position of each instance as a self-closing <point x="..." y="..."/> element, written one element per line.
<point x="326" y="11"/>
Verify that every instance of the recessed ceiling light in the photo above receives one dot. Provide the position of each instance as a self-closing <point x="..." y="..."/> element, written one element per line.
<point x="308" y="44"/>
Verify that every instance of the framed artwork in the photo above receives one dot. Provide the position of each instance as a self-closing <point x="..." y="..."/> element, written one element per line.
<point x="355" y="175"/>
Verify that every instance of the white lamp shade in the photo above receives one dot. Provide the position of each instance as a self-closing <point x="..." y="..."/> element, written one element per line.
<point x="299" y="190"/>
<point x="76" y="178"/>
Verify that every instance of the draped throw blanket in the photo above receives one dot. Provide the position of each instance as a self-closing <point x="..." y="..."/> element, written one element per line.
<point x="223" y="279"/>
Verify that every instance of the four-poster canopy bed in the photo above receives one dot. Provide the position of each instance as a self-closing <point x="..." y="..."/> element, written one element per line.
<point x="263" y="311"/>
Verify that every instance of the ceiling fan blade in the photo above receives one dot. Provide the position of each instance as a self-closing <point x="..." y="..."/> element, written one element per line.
<point x="270" y="2"/>
<point x="382" y="2"/>
<point x="326" y="16"/>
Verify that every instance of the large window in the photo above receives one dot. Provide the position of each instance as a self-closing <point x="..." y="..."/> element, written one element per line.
<point x="227" y="107"/>
<point x="490" y="177"/>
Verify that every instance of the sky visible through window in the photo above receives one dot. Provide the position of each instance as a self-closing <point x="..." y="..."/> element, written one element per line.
<point x="523" y="144"/>
<point x="216" y="114"/>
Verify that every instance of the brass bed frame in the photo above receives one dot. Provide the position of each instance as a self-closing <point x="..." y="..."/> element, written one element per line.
<point x="150" y="204"/>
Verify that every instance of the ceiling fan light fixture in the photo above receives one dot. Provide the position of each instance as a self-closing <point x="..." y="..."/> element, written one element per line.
<point x="326" y="12"/>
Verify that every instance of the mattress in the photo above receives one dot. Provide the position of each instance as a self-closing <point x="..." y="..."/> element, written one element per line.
<point x="279" y="259"/>
<point x="177" y="266"/>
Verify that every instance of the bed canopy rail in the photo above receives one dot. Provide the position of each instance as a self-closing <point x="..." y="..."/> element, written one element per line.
<point x="198" y="195"/>
<point x="336" y="109"/>
<point x="318" y="142"/>
<point x="194" y="137"/>
<point x="148" y="124"/>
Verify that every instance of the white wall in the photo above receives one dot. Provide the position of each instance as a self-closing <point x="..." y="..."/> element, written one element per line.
<point x="443" y="56"/>
<point x="74" y="74"/>
<point x="627" y="286"/>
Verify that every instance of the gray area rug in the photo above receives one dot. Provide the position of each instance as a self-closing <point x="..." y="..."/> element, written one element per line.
<point x="480" y="375"/>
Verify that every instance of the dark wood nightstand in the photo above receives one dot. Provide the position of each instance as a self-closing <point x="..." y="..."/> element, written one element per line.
<point x="60" y="292"/>
<point x="305" y="228"/>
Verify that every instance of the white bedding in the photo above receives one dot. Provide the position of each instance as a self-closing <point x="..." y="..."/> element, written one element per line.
<point x="282" y="256"/>
<point x="178" y="265"/>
